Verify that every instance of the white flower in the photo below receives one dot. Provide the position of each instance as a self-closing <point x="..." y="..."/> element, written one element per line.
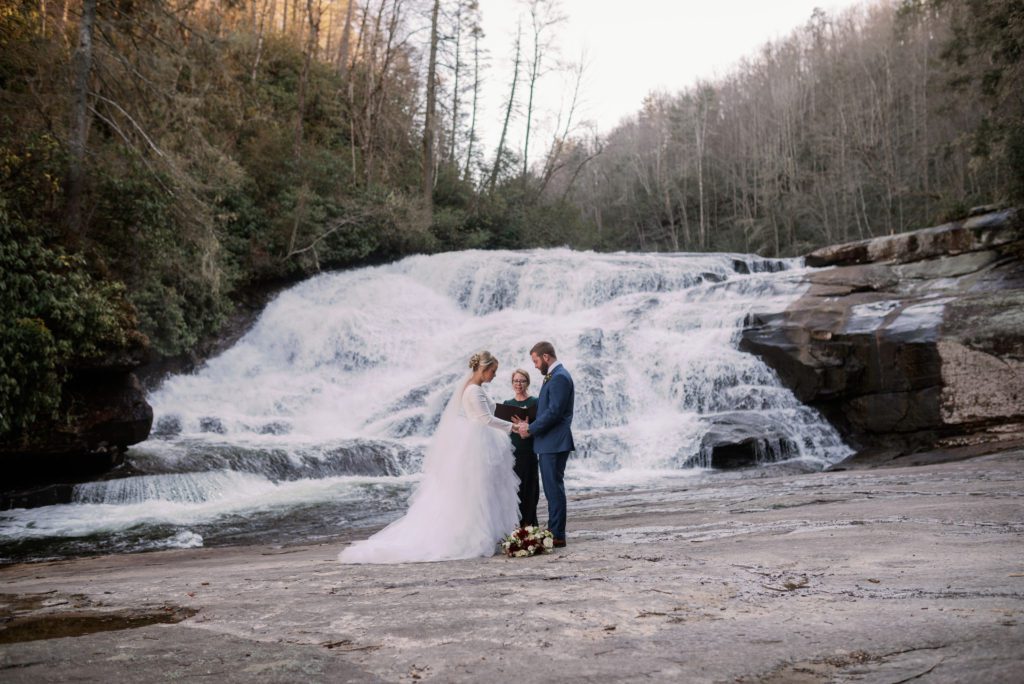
<point x="549" y="543"/>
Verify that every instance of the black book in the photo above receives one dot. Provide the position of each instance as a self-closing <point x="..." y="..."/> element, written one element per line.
<point x="506" y="411"/>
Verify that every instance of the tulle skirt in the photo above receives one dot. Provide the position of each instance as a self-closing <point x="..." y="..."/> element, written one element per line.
<point x="466" y="502"/>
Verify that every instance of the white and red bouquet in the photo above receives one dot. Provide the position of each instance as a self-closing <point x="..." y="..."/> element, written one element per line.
<point x="527" y="541"/>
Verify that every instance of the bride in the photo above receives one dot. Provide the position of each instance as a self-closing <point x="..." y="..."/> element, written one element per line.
<point x="467" y="499"/>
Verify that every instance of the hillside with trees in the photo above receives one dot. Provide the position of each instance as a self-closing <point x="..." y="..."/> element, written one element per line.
<point x="888" y="117"/>
<point x="159" y="159"/>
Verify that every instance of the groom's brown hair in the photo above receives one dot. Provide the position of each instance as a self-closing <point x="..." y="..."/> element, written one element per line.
<point x="542" y="348"/>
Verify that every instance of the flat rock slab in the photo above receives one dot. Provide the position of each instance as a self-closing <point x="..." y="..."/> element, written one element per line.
<point x="883" y="575"/>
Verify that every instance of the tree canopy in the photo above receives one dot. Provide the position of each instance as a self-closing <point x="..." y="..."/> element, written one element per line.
<point x="159" y="157"/>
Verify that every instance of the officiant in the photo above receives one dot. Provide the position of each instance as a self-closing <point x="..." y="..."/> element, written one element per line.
<point x="526" y="459"/>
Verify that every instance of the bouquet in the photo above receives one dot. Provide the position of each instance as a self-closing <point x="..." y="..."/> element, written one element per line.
<point x="527" y="541"/>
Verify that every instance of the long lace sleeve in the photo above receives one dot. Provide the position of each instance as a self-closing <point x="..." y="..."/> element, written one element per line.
<point x="478" y="409"/>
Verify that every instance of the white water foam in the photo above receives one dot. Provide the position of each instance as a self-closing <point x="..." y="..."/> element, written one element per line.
<point x="346" y="374"/>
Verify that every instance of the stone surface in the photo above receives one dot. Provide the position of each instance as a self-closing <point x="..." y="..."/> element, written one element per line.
<point x="108" y="413"/>
<point x="911" y="341"/>
<point x="881" y="575"/>
<point x="986" y="230"/>
<point x="743" y="439"/>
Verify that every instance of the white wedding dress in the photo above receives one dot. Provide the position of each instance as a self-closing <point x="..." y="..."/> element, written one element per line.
<point x="467" y="499"/>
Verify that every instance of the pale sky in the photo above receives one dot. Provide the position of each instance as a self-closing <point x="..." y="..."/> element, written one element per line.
<point x="635" y="47"/>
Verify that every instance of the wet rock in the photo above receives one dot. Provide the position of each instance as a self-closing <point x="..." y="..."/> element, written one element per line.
<point x="912" y="340"/>
<point x="166" y="427"/>
<point x="695" y="566"/>
<point x="742" y="440"/>
<point x="591" y="341"/>
<point x="107" y="413"/>
<point x="47" y="495"/>
<point x="365" y="457"/>
<point x="277" y="427"/>
<point x="975" y="233"/>
<point x="19" y="629"/>
<point x="211" y="424"/>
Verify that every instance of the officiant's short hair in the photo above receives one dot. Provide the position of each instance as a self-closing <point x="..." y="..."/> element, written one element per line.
<point x="542" y="348"/>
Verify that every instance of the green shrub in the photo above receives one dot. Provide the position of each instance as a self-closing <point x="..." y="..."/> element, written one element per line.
<point x="54" y="315"/>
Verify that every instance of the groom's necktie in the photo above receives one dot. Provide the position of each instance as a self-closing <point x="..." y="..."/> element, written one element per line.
<point x="546" y="378"/>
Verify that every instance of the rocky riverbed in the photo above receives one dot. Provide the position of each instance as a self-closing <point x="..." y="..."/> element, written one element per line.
<point x="877" y="575"/>
<point x="910" y="342"/>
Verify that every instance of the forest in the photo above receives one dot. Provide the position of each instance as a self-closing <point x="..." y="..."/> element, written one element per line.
<point x="161" y="158"/>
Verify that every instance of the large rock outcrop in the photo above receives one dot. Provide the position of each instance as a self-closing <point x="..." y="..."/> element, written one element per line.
<point x="106" y="412"/>
<point x="911" y="341"/>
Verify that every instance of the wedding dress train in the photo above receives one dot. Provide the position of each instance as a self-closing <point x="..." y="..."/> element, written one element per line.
<point x="467" y="499"/>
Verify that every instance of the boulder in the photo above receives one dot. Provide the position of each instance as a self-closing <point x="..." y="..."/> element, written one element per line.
<point x="108" y="412"/>
<point x="912" y="341"/>
<point x="743" y="439"/>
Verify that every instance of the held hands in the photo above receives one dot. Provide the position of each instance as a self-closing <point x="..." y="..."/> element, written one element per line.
<point x="521" y="427"/>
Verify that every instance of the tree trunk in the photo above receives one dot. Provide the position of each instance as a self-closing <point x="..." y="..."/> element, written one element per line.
<point x="543" y="16"/>
<point x="259" y="36"/>
<point x="428" y="122"/>
<point x="346" y="39"/>
<point x="551" y="163"/>
<point x="476" y="98"/>
<point x="455" y="85"/>
<point x="700" y="132"/>
<point x="313" y="17"/>
<point x="508" y="111"/>
<point x="82" y="61"/>
<point x="534" y="75"/>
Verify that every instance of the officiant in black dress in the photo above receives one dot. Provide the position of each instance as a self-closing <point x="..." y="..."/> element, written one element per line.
<point x="526" y="459"/>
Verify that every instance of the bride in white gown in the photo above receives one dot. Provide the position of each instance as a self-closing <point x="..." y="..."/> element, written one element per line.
<point x="468" y="498"/>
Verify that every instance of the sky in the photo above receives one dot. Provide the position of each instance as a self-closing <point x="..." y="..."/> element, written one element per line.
<point x="634" y="47"/>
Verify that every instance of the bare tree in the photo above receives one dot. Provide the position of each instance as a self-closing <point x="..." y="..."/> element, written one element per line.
<point x="314" y="13"/>
<point x="456" y="68"/>
<point x="509" y="108"/>
<point x="544" y="17"/>
<point x="346" y="39"/>
<point x="556" y="158"/>
<point x="428" y="123"/>
<point x="79" y="130"/>
<point x="477" y="34"/>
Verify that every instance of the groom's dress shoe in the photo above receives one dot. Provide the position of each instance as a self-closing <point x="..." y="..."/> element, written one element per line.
<point x="559" y="543"/>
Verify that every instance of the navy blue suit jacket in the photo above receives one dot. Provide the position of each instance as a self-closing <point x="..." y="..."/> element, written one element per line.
<point x="552" y="428"/>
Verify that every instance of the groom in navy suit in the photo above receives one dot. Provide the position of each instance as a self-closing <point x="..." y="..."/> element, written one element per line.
<point x="552" y="432"/>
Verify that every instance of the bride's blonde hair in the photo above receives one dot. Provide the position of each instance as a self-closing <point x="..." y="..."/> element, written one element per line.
<point x="481" y="360"/>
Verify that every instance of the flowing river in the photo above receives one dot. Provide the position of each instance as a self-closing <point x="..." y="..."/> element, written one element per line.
<point x="314" y="423"/>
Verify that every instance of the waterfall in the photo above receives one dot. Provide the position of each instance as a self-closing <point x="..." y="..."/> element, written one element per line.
<point x="341" y="381"/>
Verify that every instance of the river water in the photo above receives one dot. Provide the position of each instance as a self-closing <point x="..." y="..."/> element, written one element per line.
<point x="313" y="425"/>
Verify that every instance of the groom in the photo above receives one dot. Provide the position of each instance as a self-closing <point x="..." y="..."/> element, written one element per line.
<point x="552" y="432"/>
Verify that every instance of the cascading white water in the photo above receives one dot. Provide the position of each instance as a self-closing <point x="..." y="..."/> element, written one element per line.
<point x="336" y="389"/>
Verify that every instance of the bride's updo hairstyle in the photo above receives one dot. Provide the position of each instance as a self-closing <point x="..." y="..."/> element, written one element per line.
<point x="481" y="360"/>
